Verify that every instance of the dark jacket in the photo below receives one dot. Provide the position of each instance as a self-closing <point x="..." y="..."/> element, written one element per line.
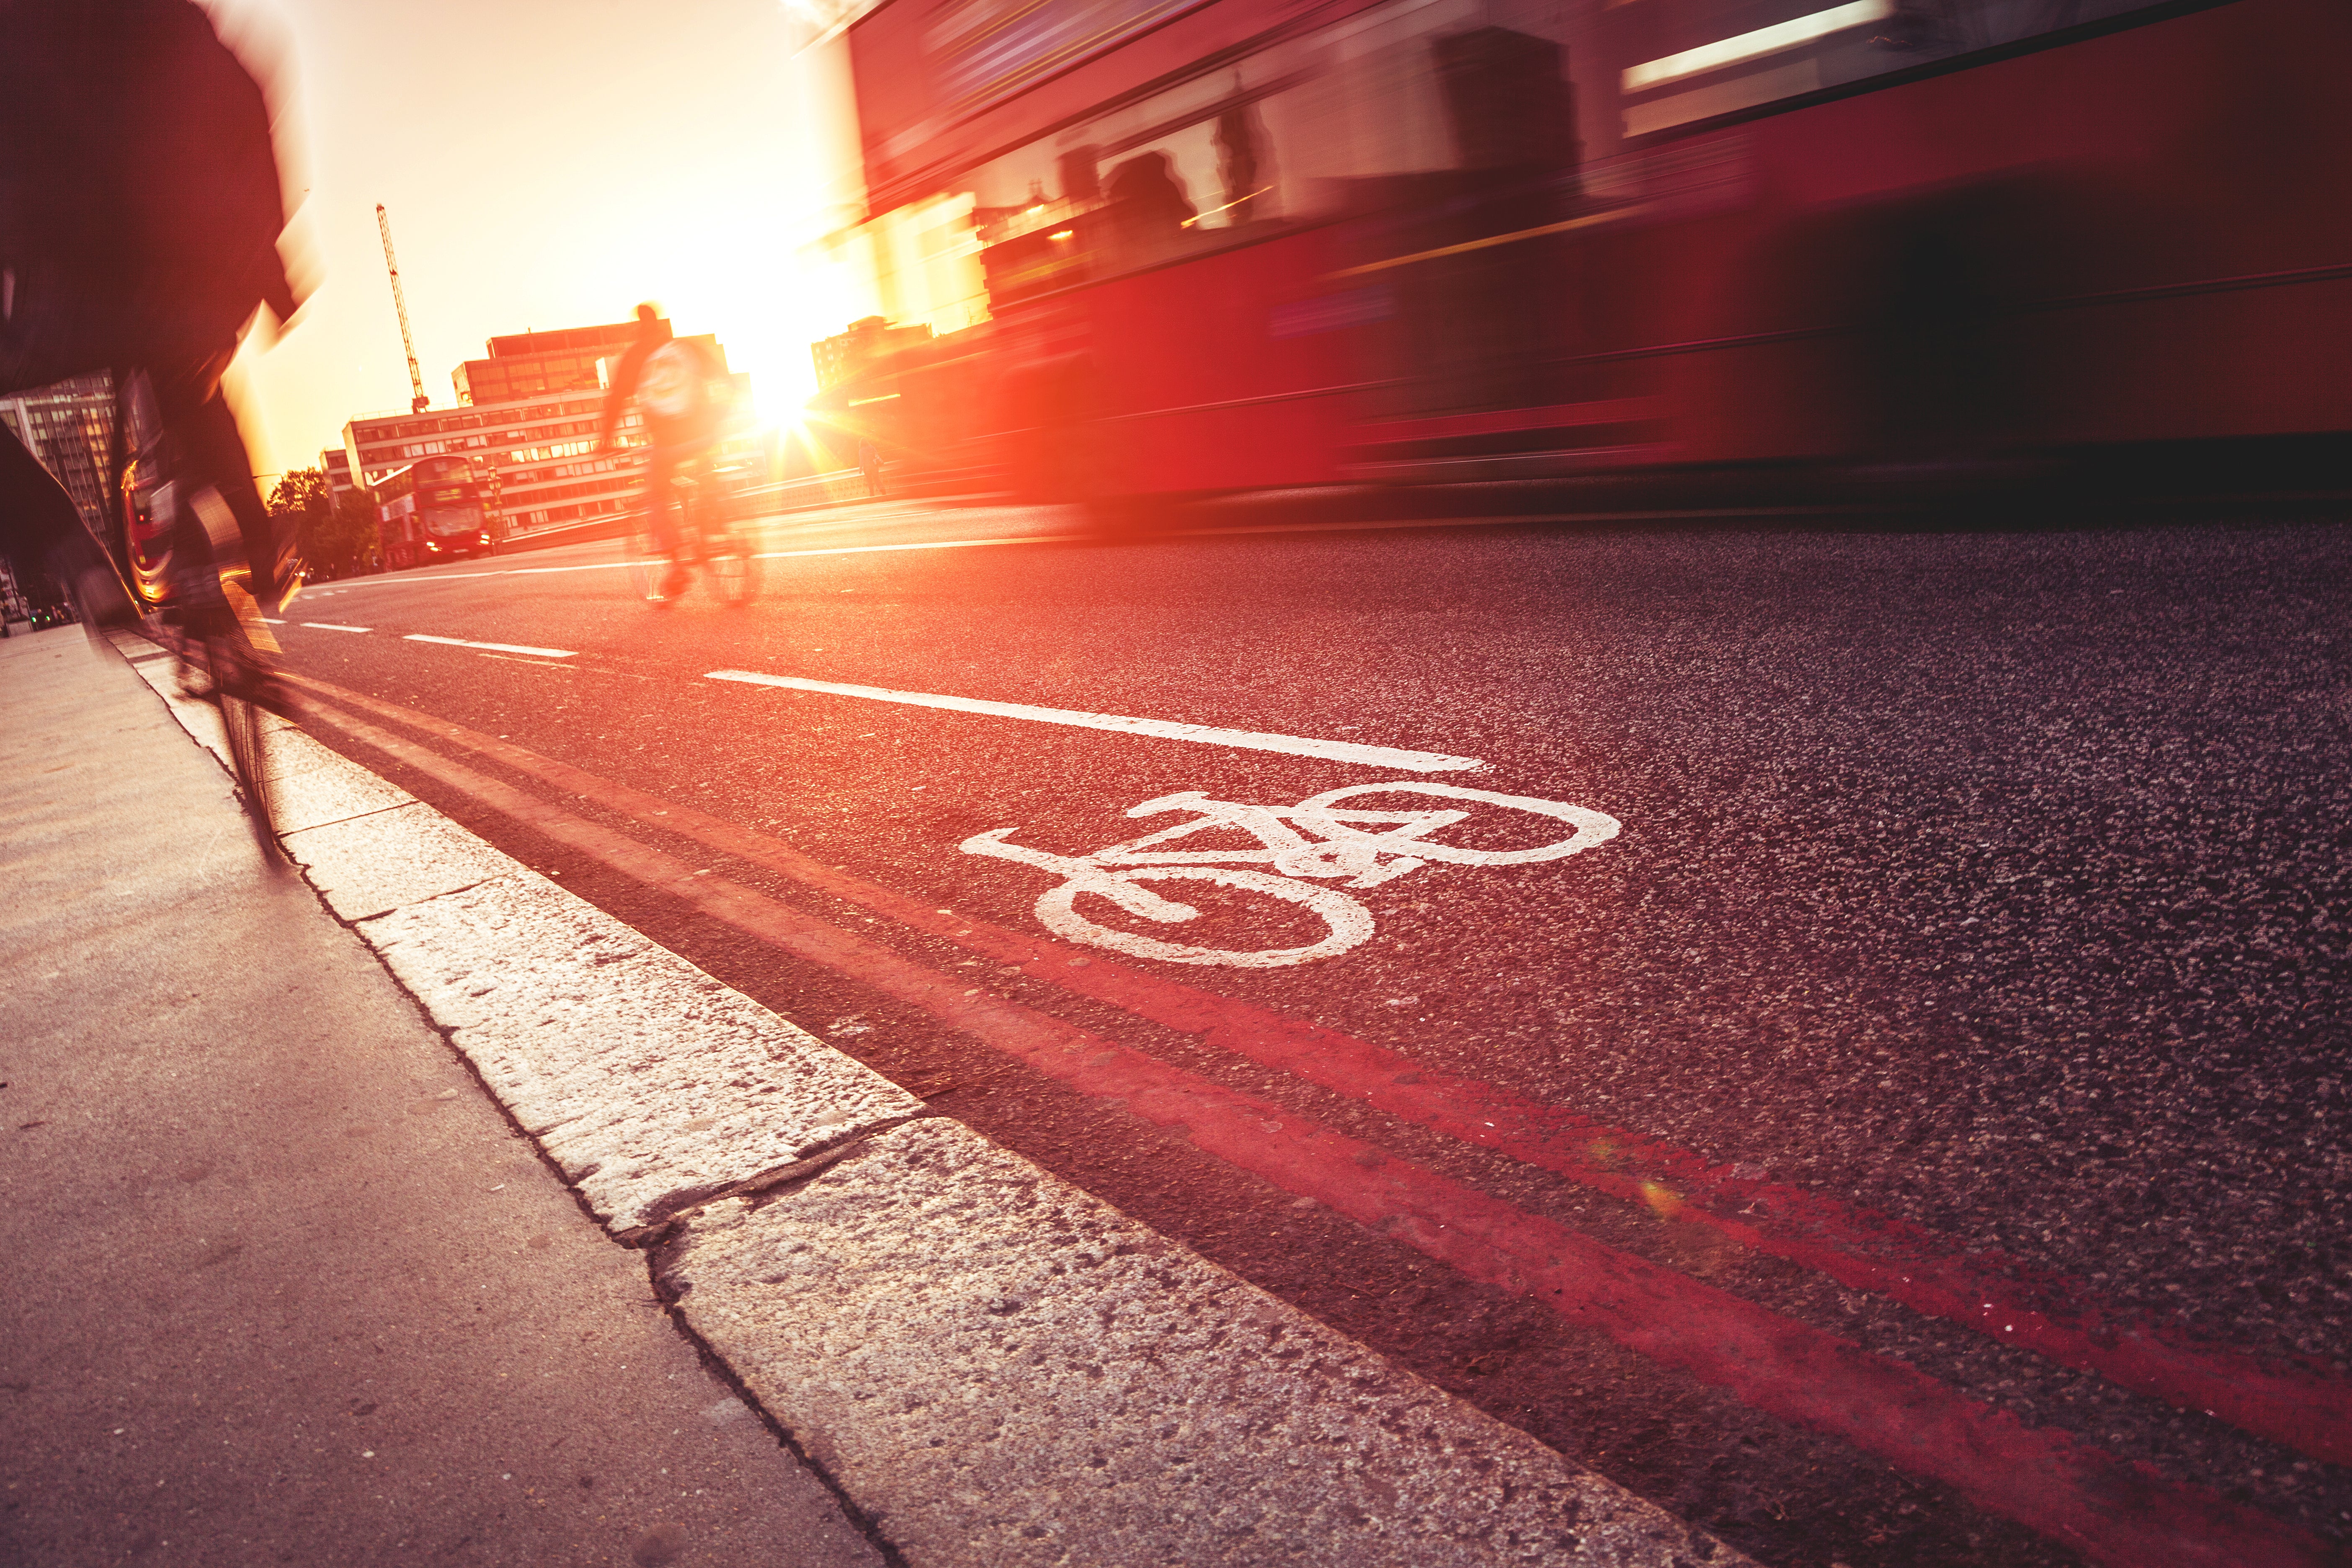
<point x="140" y="207"/>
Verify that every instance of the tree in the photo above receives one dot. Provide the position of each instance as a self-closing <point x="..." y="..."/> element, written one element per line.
<point x="354" y="528"/>
<point x="335" y="534"/>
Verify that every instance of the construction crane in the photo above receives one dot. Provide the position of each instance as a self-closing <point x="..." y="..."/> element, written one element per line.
<point x="416" y="403"/>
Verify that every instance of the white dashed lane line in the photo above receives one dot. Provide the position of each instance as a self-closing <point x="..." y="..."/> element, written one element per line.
<point x="1249" y="740"/>
<point x="331" y="627"/>
<point x="494" y="647"/>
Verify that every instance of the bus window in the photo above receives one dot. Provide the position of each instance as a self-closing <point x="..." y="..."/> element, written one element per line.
<point x="1426" y="104"/>
<point x="1312" y="128"/>
<point x="1683" y="62"/>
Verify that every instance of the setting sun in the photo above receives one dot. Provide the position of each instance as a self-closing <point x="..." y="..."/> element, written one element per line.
<point x="543" y="167"/>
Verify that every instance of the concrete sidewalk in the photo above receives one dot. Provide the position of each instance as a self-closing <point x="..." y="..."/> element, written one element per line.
<point x="314" y="1184"/>
<point x="285" y="1284"/>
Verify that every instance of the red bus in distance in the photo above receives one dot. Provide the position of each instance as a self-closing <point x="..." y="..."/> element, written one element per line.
<point x="430" y="510"/>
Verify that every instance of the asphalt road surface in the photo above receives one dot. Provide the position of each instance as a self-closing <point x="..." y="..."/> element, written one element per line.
<point x="1841" y="1031"/>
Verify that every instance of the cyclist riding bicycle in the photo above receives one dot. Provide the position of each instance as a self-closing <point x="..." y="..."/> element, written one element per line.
<point x="684" y="394"/>
<point x="140" y="219"/>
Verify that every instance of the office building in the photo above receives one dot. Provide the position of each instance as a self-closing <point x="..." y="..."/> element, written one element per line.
<point x="528" y="364"/>
<point x="536" y="450"/>
<point x="69" y="428"/>
<point x="532" y="453"/>
<point x="336" y="464"/>
<point x="844" y="355"/>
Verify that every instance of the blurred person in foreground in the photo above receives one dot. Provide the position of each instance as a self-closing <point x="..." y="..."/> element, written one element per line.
<point x="684" y="396"/>
<point x="140" y="220"/>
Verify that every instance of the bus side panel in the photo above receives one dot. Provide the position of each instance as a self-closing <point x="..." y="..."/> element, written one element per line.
<point x="2254" y="362"/>
<point x="2012" y="255"/>
<point x="1953" y="245"/>
<point x="1176" y="349"/>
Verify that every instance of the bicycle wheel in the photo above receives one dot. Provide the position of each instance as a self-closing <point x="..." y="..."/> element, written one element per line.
<point x="1591" y="827"/>
<point x="1350" y="923"/>
<point x="249" y="750"/>
<point x="734" y="568"/>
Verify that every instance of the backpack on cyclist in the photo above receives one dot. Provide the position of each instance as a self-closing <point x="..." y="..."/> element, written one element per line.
<point x="684" y="393"/>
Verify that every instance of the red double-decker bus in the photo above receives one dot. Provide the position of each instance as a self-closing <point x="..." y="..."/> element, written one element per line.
<point x="431" y="511"/>
<point x="1249" y="244"/>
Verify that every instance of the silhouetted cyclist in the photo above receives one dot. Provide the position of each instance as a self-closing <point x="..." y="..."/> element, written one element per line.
<point x="140" y="217"/>
<point x="684" y="396"/>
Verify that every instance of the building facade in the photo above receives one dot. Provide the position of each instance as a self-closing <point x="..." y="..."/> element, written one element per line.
<point x="845" y="355"/>
<point x="533" y="455"/>
<point x="531" y="365"/>
<point x="69" y="428"/>
<point x="537" y="451"/>
<point x="336" y="464"/>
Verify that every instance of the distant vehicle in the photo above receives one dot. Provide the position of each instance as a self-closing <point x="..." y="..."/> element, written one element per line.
<point x="431" y="511"/>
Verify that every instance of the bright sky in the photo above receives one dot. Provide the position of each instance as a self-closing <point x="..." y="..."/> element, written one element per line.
<point x="546" y="164"/>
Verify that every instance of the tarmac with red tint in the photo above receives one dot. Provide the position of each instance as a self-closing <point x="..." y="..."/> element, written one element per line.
<point x="1910" y="1130"/>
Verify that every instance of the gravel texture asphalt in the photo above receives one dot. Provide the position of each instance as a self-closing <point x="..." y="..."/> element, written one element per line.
<point x="1990" y="880"/>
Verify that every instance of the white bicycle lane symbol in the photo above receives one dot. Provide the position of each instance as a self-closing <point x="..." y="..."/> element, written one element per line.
<point x="1315" y="842"/>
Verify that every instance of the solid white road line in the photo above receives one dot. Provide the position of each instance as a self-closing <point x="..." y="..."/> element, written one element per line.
<point x="1249" y="740"/>
<point x="331" y="627"/>
<point x="493" y="647"/>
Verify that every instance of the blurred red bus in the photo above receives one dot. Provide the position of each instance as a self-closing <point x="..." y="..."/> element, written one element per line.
<point x="1253" y="244"/>
<point x="430" y="510"/>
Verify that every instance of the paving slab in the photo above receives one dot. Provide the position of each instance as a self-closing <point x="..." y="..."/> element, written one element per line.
<point x="285" y="1285"/>
<point x="374" y="863"/>
<point x="649" y="1083"/>
<point x="1006" y="1371"/>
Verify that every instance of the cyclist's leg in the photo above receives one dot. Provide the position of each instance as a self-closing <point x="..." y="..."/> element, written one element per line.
<point x="267" y="549"/>
<point x="661" y="499"/>
<point x="196" y="604"/>
<point x="222" y="529"/>
<point x="666" y="517"/>
<point x="224" y="541"/>
<point x="726" y="541"/>
<point x="701" y="523"/>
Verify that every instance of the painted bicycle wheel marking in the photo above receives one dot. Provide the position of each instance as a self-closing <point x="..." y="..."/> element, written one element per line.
<point x="1314" y="841"/>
